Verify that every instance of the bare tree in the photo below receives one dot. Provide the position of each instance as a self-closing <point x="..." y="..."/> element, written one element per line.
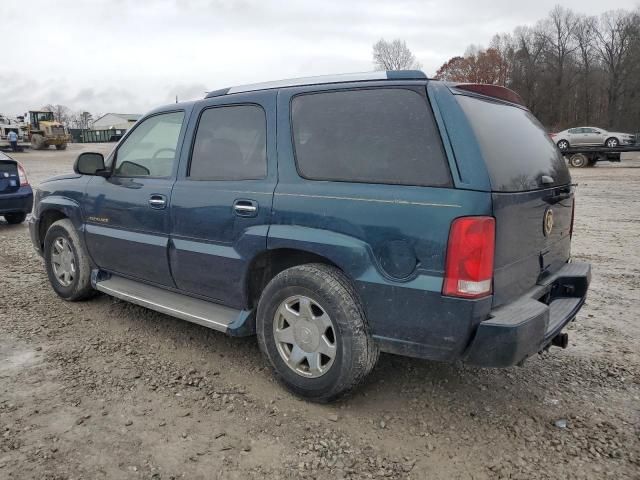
<point x="61" y="113"/>
<point x="394" y="55"/>
<point x="615" y="37"/>
<point x="560" y="28"/>
<point x="585" y="35"/>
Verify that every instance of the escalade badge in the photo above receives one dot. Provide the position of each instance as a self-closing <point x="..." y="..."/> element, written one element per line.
<point x="547" y="224"/>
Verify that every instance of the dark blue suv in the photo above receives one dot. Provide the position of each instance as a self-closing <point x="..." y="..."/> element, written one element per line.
<point x="334" y="217"/>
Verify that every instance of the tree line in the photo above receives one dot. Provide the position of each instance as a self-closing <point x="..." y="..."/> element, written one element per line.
<point x="570" y="69"/>
<point x="69" y="118"/>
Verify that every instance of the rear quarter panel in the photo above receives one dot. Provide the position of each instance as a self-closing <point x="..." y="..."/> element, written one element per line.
<point x="390" y="240"/>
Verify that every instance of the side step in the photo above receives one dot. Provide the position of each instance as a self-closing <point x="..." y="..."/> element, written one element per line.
<point x="191" y="309"/>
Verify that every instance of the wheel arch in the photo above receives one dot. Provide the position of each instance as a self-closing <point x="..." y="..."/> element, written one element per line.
<point x="52" y="209"/>
<point x="269" y="263"/>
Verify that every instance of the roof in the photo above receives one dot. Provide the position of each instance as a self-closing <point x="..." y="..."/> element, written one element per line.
<point x="131" y="117"/>
<point x="323" y="79"/>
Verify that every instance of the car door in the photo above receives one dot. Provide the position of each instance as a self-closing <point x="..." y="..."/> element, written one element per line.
<point x="592" y="136"/>
<point x="127" y="214"/>
<point x="221" y="201"/>
<point x="576" y="136"/>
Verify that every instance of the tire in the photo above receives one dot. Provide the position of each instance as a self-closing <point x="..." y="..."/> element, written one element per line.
<point x="62" y="146"/>
<point x="62" y="238"/>
<point x="38" y="142"/>
<point x="578" y="160"/>
<point x="612" y="142"/>
<point x="563" y="144"/>
<point x="334" y="302"/>
<point x="15" y="218"/>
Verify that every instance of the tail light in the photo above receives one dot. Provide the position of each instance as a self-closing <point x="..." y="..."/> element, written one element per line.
<point x="469" y="262"/>
<point x="22" y="175"/>
<point x="573" y="215"/>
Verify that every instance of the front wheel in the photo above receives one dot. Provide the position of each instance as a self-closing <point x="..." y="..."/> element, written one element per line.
<point x="563" y="144"/>
<point x="67" y="262"/>
<point x="312" y="328"/>
<point x="38" y="142"/>
<point x="62" y="146"/>
<point x="612" y="142"/>
<point x="15" y="218"/>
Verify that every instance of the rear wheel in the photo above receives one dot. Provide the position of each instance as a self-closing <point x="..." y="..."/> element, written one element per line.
<point x="312" y="329"/>
<point x="563" y="144"/>
<point x="62" y="146"/>
<point x="15" y="218"/>
<point x="67" y="262"/>
<point x="612" y="142"/>
<point x="578" y="160"/>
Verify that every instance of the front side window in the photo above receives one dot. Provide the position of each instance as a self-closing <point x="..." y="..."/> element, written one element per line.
<point x="230" y="144"/>
<point x="385" y="135"/>
<point x="150" y="150"/>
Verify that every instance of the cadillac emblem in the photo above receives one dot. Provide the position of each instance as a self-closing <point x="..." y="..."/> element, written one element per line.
<point x="547" y="224"/>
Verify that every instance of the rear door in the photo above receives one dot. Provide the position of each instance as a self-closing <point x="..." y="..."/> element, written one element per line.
<point x="221" y="202"/>
<point x="531" y="192"/>
<point x="127" y="214"/>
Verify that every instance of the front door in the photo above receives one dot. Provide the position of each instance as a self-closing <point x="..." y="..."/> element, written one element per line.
<point x="592" y="136"/>
<point x="221" y="201"/>
<point x="127" y="214"/>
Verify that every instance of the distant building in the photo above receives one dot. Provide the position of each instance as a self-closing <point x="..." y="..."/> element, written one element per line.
<point x="118" y="121"/>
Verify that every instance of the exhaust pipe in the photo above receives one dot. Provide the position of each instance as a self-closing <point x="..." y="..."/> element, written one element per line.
<point x="561" y="340"/>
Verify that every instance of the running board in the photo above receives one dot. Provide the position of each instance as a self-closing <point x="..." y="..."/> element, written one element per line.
<point x="187" y="308"/>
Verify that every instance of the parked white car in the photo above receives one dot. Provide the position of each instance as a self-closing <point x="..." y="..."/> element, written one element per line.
<point x="591" y="136"/>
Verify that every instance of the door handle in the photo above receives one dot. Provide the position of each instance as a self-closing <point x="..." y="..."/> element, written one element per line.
<point x="157" y="201"/>
<point x="245" y="208"/>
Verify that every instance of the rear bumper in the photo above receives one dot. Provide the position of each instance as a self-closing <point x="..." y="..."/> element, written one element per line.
<point x="19" y="202"/>
<point x="528" y="325"/>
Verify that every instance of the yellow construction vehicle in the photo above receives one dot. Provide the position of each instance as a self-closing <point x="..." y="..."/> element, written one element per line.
<point x="43" y="131"/>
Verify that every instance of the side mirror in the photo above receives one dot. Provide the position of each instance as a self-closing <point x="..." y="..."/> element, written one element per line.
<point x="89" y="163"/>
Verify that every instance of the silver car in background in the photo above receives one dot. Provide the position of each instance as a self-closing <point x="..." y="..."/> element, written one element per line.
<point x="591" y="136"/>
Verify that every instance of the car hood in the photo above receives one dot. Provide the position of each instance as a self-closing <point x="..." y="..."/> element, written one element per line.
<point x="65" y="176"/>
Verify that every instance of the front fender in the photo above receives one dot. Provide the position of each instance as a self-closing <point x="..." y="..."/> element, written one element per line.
<point x="70" y="208"/>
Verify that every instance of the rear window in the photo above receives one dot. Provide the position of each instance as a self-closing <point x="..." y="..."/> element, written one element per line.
<point x="515" y="146"/>
<point x="372" y="136"/>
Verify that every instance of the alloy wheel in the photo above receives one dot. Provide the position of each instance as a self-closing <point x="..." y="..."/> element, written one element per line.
<point x="63" y="261"/>
<point x="305" y="336"/>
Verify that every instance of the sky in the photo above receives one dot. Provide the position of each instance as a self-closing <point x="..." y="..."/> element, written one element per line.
<point x="128" y="56"/>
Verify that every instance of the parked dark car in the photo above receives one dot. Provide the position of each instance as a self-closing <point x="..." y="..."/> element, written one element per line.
<point x="16" y="196"/>
<point x="334" y="217"/>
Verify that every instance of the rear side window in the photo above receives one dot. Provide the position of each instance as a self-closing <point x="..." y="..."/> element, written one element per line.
<point x="230" y="144"/>
<point x="371" y="136"/>
<point x="515" y="146"/>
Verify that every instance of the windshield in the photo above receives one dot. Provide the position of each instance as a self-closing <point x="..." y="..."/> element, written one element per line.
<point x="44" y="116"/>
<point x="515" y="146"/>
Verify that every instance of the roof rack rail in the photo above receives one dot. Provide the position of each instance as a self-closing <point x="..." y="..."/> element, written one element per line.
<point x="342" y="78"/>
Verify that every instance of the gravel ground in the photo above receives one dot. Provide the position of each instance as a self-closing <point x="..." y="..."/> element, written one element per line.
<point x="105" y="389"/>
